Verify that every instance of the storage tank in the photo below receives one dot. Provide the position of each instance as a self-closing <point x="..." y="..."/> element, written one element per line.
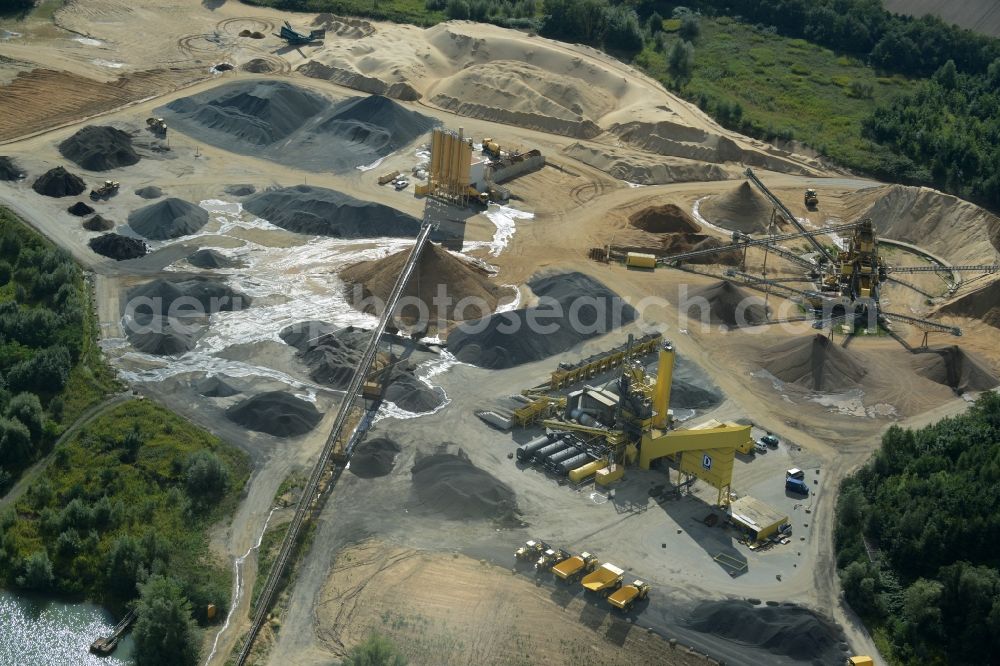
<point x="570" y="464"/>
<point x="640" y="260"/>
<point x="547" y="451"/>
<point x="528" y="450"/>
<point x="580" y="473"/>
<point x="556" y="458"/>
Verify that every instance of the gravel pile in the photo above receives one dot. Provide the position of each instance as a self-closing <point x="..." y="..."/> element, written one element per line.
<point x="9" y="170"/>
<point x="982" y="304"/>
<point x="149" y="192"/>
<point x="99" y="148"/>
<point x="58" y="182"/>
<point x="450" y="485"/>
<point x="814" y="363"/>
<point x="170" y="218"/>
<point x="409" y="393"/>
<point x="955" y="368"/>
<point x="741" y="209"/>
<point x="275" y="413"/>
<point x="207" y="258"/>
<point x="727" y="304"/>
<point x="666" y="219"/>
<point x="98" y="223"/>
<point x="239" y="190"/>
<point x="330" y="355"/>
<point x="374" y="458"/>
<point x="214" y="387"/>
<point x="118" y="247"/>
<point x="80" y="209"/>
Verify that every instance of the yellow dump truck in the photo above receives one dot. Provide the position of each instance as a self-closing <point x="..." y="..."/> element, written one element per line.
<point x="572" y="568"/>
<point x="860" y="661"/>
<point x="606" y="578"/>
<point x="530" y="551"/>
<point x="625" y="596"/>
<point x="811" y="198"/>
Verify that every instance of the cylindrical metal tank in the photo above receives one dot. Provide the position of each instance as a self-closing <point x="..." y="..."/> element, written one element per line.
<point x="525" y="452"/>
<point x="580" y="473"/>
<point x="565" y="454"/>
<point x="547" y="451"/>
<point x="570" y="464"/>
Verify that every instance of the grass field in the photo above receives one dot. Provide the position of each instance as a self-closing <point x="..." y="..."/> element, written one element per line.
<point x="786" y="88"/>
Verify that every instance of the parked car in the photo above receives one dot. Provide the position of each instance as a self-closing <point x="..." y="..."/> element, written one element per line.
<point x="796" y="486"/>
<point x="769" y="440"/>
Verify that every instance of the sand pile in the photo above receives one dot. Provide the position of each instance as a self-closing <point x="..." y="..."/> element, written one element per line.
<point x="727" y="304"/>
<point x="955" y="368"/>
<point x="118" y="247"/>
<point x="409" y="393"/>
<point x="450" y="485"/>
<point x="291" y="125"/>
<point x="275" y="413"/>
<point x="331" y="356"/>
<point x="80" y="209"/>
<point x="437" y="268"/>
<point x="58" y="182"/>
<point x="785" y="630"/>
<point x="982" y="304"/>
<point x="956" y="230"/>
<point x="645" y="169"/>
<point x="814" y="363"/>
<point x="149" y="192"/>
<point x="170" y="218"/>
<point x="742" y="209"/>
<point x="374" y="458"/>
<point x="9" y="170"/>
<point x="575" y="306"/>
<point x="99" y="148"/>
<point x="342" y="26"/>
<point x="215" y="387"/>
<point x="259" y="66"/>
<point x="666" y="219"/>
<point x="678" y="243"/>
<point x="318" y="211"/>
<point x="98" y="223"/>
<point x="207" y="258"/>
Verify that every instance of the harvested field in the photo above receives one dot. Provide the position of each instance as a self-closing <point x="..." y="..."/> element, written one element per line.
<point x="374" y="458"/>
<point x="58" y="182"/>
<point x="118" y="247"/>
<point x="726" y="304"/>
<point x="275" y="413"/>
<point x="449" y="485"/>
<point x="99" y="148"/>
<point x="982" y="304"/>
<point x="982" y="16"/>
<point x="170" y="218"/>
<point x="741" y="209"/>
<point x="955" y="368"/>
<point x="815" y="363"/>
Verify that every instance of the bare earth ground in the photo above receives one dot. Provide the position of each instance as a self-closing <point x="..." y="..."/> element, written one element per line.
<point x="53" y="82"/>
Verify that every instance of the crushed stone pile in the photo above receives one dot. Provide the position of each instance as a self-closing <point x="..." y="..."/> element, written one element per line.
<point x="374" y="458"/>
<point x="955" y="368"/>
<point x="98" y="223"/>
<point x="9" y="170"/>
<point x="162" y="336"/>
<point x="369" y="284"/>
<point x="259" y="66"/>
<point x="207" y="258"/>
<point x="786" y="630"/>
<point x="678" y="243"/>
<point x="170" y="218"/>
<point x="330" y="355"/>
<point x="409" y="393"/>
<point x="240" y="190"/>
<point x="186" y="298"/>
<point x="982" y="304"/>
<point x="275" y="413"/>
<point x="58" y="182"/>
<point x="576" y="306"/>
<point x="666" y="219"/>
<point x="216" y="387"/>
<point x="149" y="192"/>
<point x="741" y="209"/>
<point x="118" y="247"/>
<point x="291" y="125"/>
<point x="80" y="209"/>
<point x="450" y="485"/>
<point x="99" y="148"/>
<point x="727" y="304"/>
<point x="318" y="211"/>
<point x="814" y="363"/>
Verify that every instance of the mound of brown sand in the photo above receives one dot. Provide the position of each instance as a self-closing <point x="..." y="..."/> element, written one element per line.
<point x="99" y="148"/>
<point x="9" y="170"/>
<point x="982" y="304"/>
<point x="374" y="458"/>
<point x="666" y="219"/>
<point x="678" y="243"/>
<point x="207" y="258"/>
<point x="955" y="368"/>
<point x="214" y="387"/>
<point x="742" y="209"/>
<point x="149" y="192"/>
<point x="450" y="485"/>
<point x="726" y="304"/>
<point x="369" y="284"/>
<point x="814" y="363"/>
<point x="58" y="182"/>
<point x="785" y="630"/>
<point x="275" y="413"/>
<point x="80" y="209"/>
<point x="118" y="247"/>
<point x="98" y="223"/>
<point x="170" y="218"/>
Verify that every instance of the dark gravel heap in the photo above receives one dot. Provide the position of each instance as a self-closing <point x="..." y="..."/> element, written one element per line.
<point x="99" y="148"/>
<point x="58" y="182"/>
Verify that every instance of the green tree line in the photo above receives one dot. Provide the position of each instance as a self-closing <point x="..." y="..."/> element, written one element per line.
<point x="916" y="535"/>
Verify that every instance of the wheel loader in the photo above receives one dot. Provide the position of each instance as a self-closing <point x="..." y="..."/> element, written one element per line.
<point x="109" y="188"/>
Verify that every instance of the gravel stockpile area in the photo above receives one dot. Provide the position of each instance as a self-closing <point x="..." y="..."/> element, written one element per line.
<point x="726" y="304"/>
<point x="507" y="339"/>
<point x="318" y="211"/>
<point x="116" y="246"/>
<point x="741" y="209"/>
<point x="449" y="484"/>
<point x="216" y="387"/>
<point x="162" y="336"/>
<point x="374" y="458"/>
<point x="409" y="393"/>
<point x="170" y="218"/>
<point x="99" y="148"/>
<point x="955" y="368"/>
<point x="815" y="363"/>
<point x="190" y="297"/>
<point x="98" y="223"/>
<point x="207" y="258"/>
<point x="275" y="413"/>
<point x="58" y="182"/>
<point x="666" y="219"/>
<point x="80" y="209"/>
<point x="9" y="170"/>
<point x="982" y="304"/>
<point x="330" y="355"/>
<point x="149" y="192"/>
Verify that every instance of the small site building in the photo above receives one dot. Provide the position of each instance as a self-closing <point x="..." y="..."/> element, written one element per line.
<point x="760" y="520"/>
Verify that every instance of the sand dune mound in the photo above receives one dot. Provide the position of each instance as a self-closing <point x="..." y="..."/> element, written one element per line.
<point x="741" y="209"/>
<point x="275" y="413"/>
<point x="9" y="170"/>
<point x="982" y="304"/>
<point x="313" y="210"/>
<point x="149" y="192"/>
<point x="814" y="363"/>
<point x="726" y="304"/>
<point x="291" y="125"/>
<point x="437" y="268"/>
<point x="58" y="182"/>
<point x="644" y="169"/>
<point x="374" y="458"/>
<point x="191" y="297"/>
<point x="665" y="219"/>
<point x="575" y="306"/>
<point x="170" y="218"/>
<point x="956" y="230"/>
<point x="208" y="258"/>
<point x="450" y="485"/>
<point x="80" y="209"/>
<point x="99" y="148"/>
<point x="215" y="387"/>
<point x="98" y="223"/>
<point x="786" y="630"/>
<point x="955" y="368"/>
<point x="118" y="247"/>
